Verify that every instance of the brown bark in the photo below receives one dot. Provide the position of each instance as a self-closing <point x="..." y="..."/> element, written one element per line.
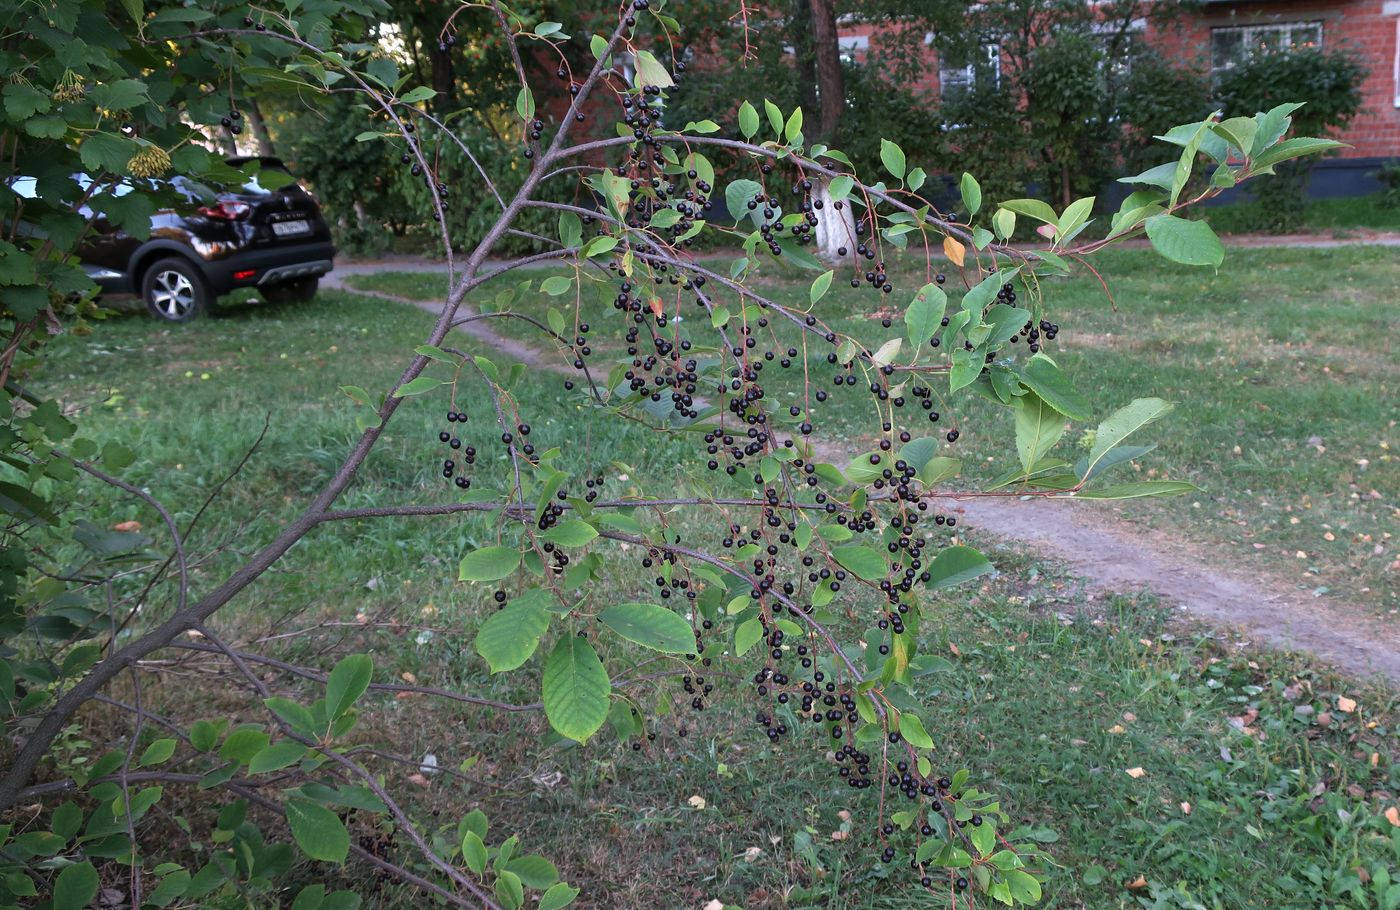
<point x="804" y="58"/>
<point x="259" y="126"/>
<point x="831" y="84"/>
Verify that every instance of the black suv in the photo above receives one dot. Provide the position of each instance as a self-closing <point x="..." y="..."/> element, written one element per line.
<point x="272" y="239"/>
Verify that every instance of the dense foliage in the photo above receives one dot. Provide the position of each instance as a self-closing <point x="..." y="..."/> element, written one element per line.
<point x="1331" y="81"/>
<point x="823" y="568"/>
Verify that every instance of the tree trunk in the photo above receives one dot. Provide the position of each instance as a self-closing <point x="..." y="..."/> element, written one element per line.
<point x="803" y="55"/>
<point x="255" y="120"/>
<point x="837" y="229"/>
<point x="831" y="85"/>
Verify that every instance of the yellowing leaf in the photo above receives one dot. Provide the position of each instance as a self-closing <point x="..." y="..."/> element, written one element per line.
<point x="1135" y="772"/>
<point x="954" y="250"/>
<point x="1346" y="705"/>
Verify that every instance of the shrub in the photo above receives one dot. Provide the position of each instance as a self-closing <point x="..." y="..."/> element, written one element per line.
<point x="1331" y="81"/>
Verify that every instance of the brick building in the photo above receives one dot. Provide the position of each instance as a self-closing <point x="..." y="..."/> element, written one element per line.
<point x="1224" y="33"/>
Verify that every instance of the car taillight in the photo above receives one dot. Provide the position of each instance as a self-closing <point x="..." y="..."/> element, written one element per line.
<point x="227" y="211"/>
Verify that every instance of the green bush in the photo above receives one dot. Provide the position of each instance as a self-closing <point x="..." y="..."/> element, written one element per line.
<point x="1330" y="79"/>
<point x="1156" y="96"/>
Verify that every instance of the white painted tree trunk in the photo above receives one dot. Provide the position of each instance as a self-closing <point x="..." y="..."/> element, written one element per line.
<point x="836" y="228"/>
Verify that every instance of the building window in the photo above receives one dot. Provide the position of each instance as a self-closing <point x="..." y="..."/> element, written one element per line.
<point x="956" y="82"/>
<point x="1234" y="45"/>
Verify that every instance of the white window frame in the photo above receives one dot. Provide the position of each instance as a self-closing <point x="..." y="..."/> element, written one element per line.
<point x="968" y="74"/>
<point x="1250" y="35"/>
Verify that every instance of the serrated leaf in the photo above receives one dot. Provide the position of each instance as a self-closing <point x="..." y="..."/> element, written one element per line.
<point x="348" y="680"/>
<point x="971" y="194"/>
<point x="318" y="831"/>
<point x="1043" y="377"/>
<point x="571" y="533"/>
<point x="1183" y="241"/>
<point x="1121" y="424"/>
<point x="575" y="689"/>
<point x="1139" y="489"/>
<point x="892" y="157"/>
<point x="748" y="120"/>
<point x="558" y="897"/>
<point x="650" y="626"/>
<point x="650" y="71"/>
<point x="864" y="562"/>
<point x="489" y="564"/>
<point x="912" y="729"/>
<point x="510" y="636"/>
<point x="956" y="565"/>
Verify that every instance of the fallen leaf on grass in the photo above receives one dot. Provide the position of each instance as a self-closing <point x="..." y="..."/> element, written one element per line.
<point x="696" y="802"/>
<point x="752" y="854"/>
<point x="1117" y="728"/>
<point x="840" y="835"/>
<point x="1138" y="883"/>
<point x="1392" y="815"/>
<point x="1135" y="772"/>
<point x="127" y="527"/>
<point x="954" y="648"/>
<point x="418" y="779"/>
<point x="715" y="905"/>
<point x="1185" y="808"/>
<point x="1345" y="705"/>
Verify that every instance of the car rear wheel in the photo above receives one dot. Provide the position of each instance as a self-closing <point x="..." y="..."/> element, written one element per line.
<point x="299" y="290"/>
<point x="175" y="291"/>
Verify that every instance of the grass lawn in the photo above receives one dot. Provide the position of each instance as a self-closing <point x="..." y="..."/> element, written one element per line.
<point x="1257" y="787"/>
<point x="1283" y="372"/>
<point x="1339" y="217"/>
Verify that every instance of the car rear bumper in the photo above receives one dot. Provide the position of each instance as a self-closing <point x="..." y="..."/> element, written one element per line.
<point x="250" y="268"/>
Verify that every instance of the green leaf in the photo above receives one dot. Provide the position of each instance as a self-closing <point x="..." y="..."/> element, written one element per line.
<point x="570" y="229"/>
<point x="840" y="187"/>
<point x="597" y="246"/>
<point x="1121" y="424"/>
<point x="775" y="116"/>
<point x="651" y="72"/>
<point x="892" y="157"/>
<point x="1043" y="377"/>
<point x="967" y="366"/>
<point x="1295" y="148"/>
<point x="1038" y="428"/>
<point x="474" y="852"/>
<point x="535" y="871"/>
<point x="67" y="820"/>
<point x="571" y="533"/>
<point x="418" y="94"/>
<point x="1183" y="241"/>
<point x="489" y="564"/>
<point x="598" y="45"/>
<point x="912" y="729"/>
<point x="277" y="756"/>
<point x="575" y="689"/>
<point x="1004" y="223"/>
<point x="510" y="636"/>
<point x="703" y="127"/>
<point x="556" y="285"/>
<point x="23" y="101"/>
<point x="119" y="94"/>
<point x="106" y="153"/>
<point x="924" y="313"/>
<point x="955" y="565"/>
<point x="1033" y="208"/>
<point x="650" y="626"/>
<point x="792" y="130"/>
<point x="557" y="897"/>
<point x="747" y="635"/>
<point x="157" y="753"/>
<point x="1023" y="885"/>
<point x="75" y="887"/>
<point x="865" y="562"/>
<point x="318" y="831"/>
<point x="525" y="103"/>
<point x="347" y="682"/>
<point x="1139" y="489"/>
<point x="419" y="385"/>
<point x="971" y="194"/>
<point x="820" y="285"/>
<point x="748" y="120"/>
